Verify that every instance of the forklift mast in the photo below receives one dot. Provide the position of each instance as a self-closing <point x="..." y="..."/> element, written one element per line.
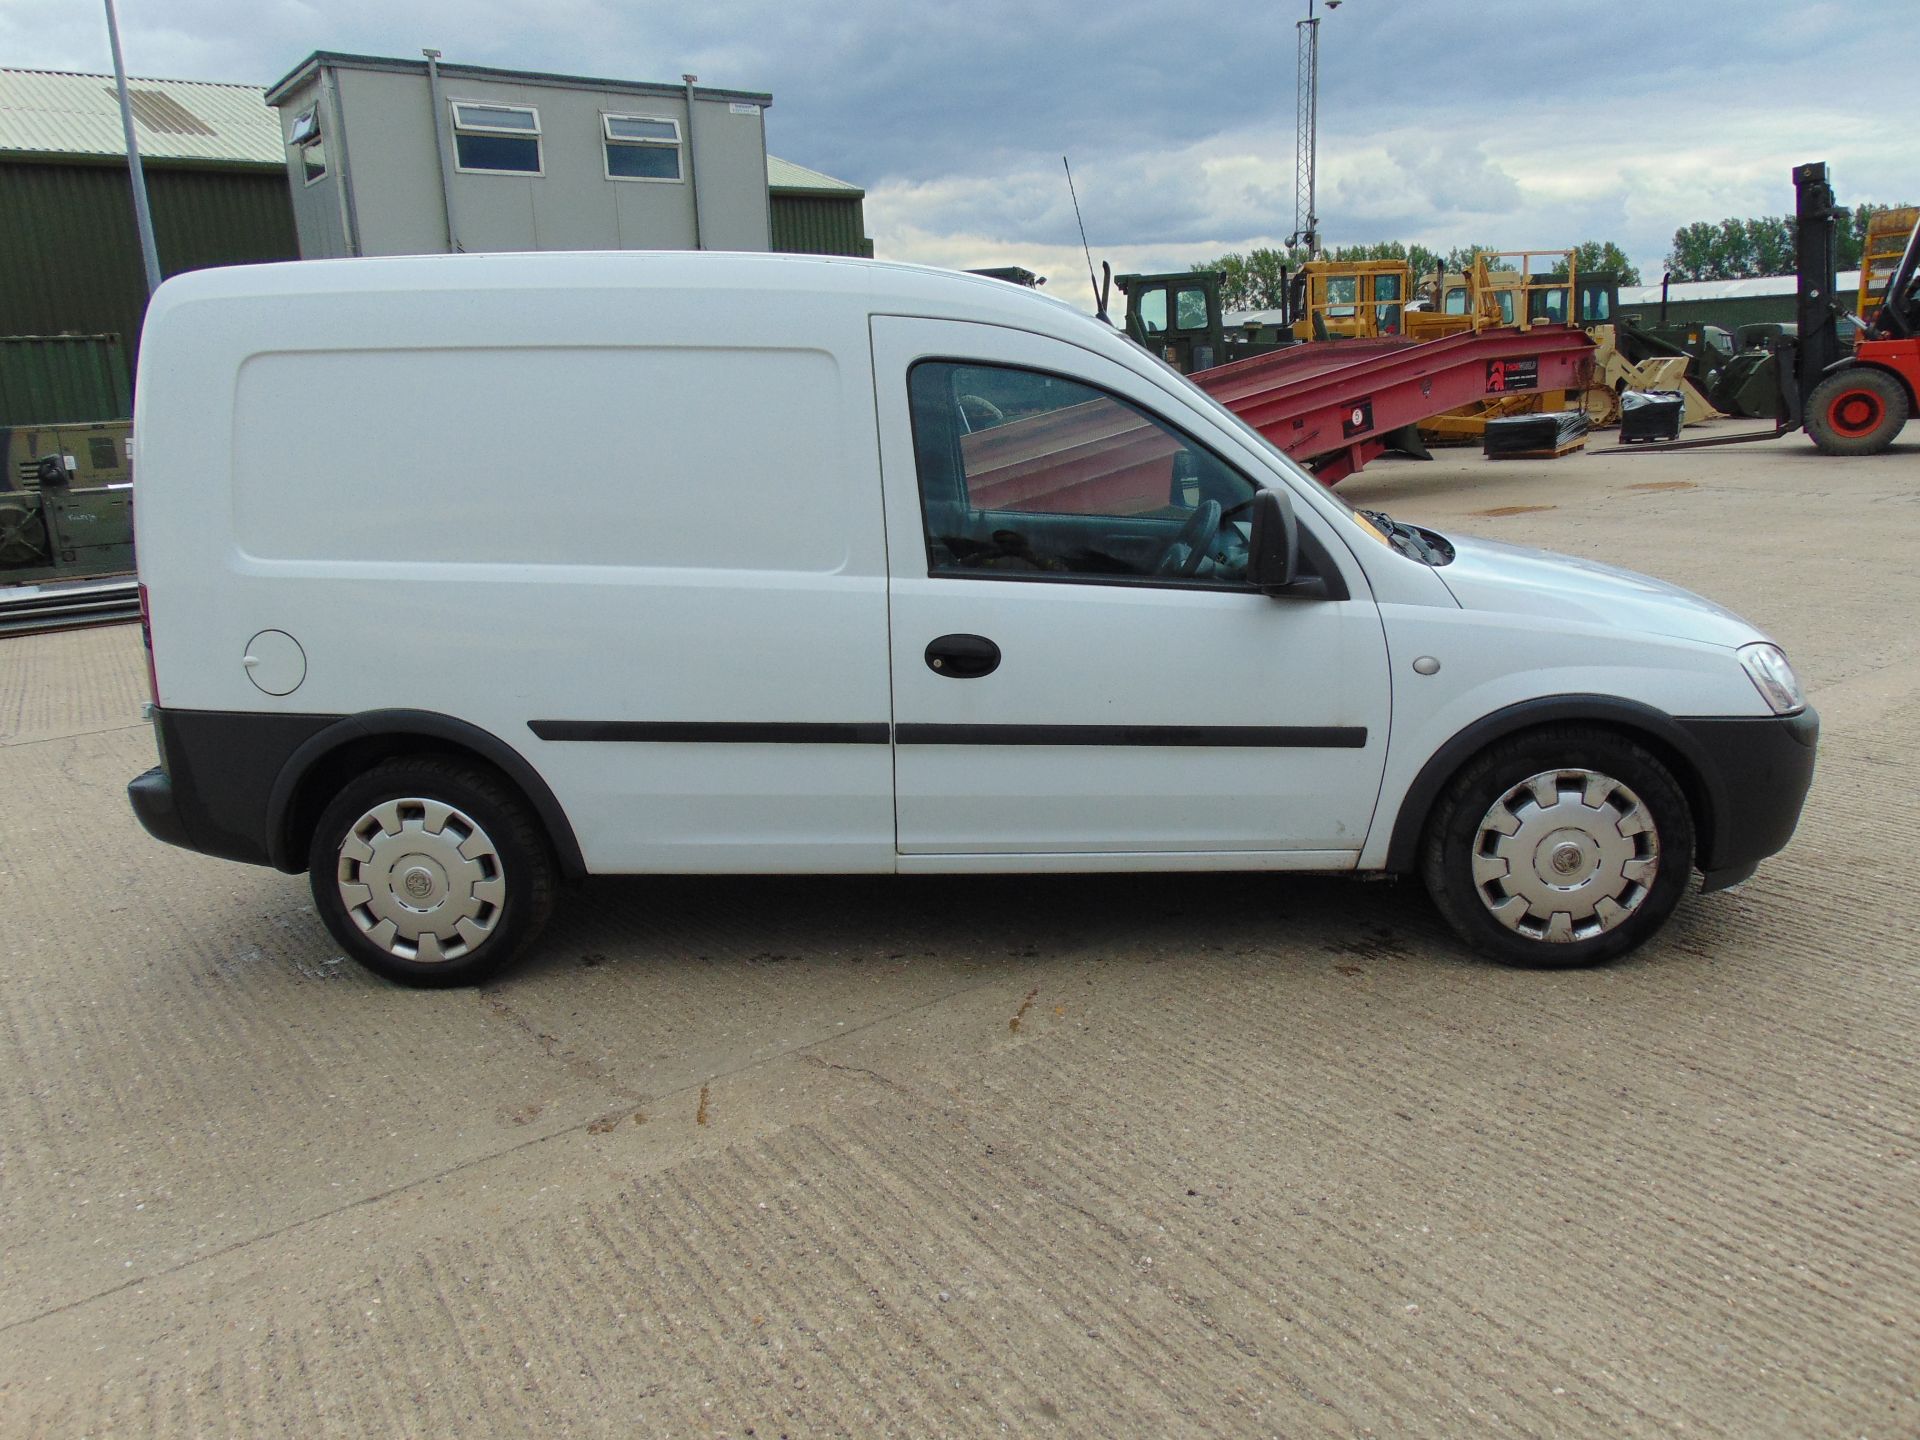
<point x="1816" y="258"/>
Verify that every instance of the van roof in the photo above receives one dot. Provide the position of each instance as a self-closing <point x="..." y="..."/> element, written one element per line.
<point x="890" y="285"/>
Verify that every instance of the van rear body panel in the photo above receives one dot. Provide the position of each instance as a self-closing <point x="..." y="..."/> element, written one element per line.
<point x="608" y="502"/>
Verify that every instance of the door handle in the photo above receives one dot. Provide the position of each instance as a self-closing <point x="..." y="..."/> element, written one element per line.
<point x="963" y="657"/>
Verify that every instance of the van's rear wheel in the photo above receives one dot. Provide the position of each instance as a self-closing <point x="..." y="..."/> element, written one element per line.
<point x="430" y="872"/>
<point x="1566" y="846"/>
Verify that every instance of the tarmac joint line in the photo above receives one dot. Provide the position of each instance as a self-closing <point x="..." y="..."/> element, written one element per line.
<point x="499" y="1005"/>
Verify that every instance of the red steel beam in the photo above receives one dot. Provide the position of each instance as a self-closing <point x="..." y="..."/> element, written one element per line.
<point x="1328" y="403"/>
<point x="1096" y="458"/>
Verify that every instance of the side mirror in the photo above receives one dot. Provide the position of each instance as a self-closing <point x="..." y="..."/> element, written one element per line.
<point x="1273" y="557"/>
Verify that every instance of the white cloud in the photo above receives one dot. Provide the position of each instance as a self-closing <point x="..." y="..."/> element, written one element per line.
<point x="1437" y="126"/>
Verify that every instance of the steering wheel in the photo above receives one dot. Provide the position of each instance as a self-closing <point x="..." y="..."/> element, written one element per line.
<point x="980" y="412"/>
<point x="1197" y="535"/>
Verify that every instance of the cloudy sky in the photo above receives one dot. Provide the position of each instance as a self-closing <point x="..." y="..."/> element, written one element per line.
<point x="1446" y="122"/>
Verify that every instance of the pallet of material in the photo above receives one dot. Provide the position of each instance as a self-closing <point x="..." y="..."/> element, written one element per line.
<point x="1545" y="436"/>
<point x="1651" y="415"/>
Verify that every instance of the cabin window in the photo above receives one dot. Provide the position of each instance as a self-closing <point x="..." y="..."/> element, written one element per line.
<point x="306" y="138"/>
<point x="641" y="147"/>
<point x="1029" y="475"/>
<point x="496" y="139"/>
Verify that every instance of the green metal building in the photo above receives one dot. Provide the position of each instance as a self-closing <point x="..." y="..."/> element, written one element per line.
<point x="69" y="255"/>
<point x="1731" y="303"/>
<point x="815" y="214"/>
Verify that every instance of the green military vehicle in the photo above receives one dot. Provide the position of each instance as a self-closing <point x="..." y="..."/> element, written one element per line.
<point x="1178" y="317"/>
<point x="1750" y="383"/>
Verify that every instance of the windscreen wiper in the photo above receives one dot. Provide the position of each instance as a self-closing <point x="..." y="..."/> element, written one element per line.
<point x="1409" y="540"/>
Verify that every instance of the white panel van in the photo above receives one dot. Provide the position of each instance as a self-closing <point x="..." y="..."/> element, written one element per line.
<point x="468" y="575"/>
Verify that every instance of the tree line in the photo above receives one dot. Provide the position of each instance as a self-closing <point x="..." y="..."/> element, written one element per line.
<point x="1730" y="249"/>
<point x="1257" y="279"/>
<point x="1734" y="249"/>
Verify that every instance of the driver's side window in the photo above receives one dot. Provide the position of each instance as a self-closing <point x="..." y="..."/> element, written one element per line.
<point x="1026" y="474"/>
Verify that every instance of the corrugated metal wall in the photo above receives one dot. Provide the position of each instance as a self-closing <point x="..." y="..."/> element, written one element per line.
<point x="57" y="379"/>
<point x="1732" y="313"/>
<point x="807" y="225"/>
<point x="70" y="259"/>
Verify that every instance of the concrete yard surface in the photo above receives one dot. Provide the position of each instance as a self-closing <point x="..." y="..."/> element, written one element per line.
<point x="1232" y="1155"/>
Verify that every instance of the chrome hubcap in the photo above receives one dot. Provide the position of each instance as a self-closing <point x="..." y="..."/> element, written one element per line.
<point x="1565" y="855"/>
<point x="421" y="880"/>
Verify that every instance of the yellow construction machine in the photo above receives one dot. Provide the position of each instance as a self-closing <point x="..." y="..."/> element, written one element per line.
<point x="1886" y="242"/>
<point x="1349" y="299"/>
<point x="1496" y="292"/>
<point x="1544" y="287"/>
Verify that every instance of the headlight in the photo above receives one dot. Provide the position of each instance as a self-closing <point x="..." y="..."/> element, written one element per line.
<point x="1773" y="677"/>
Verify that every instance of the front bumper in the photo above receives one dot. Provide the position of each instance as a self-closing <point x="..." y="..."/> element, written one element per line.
<point x="1757" y="773"/>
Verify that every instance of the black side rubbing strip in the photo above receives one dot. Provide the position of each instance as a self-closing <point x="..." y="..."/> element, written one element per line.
<point x="724" y="732"/>
<point x="1251" y="737"/>
<point x="1255" y="737"/>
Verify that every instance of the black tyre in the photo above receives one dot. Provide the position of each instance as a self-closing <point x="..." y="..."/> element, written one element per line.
<point x="431" y="871"/>
<point x="1857" y="411"/>
<point x="1562" y="846"/>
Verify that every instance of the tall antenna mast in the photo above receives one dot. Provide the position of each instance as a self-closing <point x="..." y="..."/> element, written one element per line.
<point x="1099" y="295"/>
<point x="1306" y="127"/>
<point x="1082" y="224"/>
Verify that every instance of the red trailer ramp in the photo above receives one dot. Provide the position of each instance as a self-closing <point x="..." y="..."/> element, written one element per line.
<point x="1328" y="404"/>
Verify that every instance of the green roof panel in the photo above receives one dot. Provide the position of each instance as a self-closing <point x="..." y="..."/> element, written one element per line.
<point x="46" y="113"/>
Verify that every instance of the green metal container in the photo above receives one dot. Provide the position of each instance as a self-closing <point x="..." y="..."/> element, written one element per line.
<point x="62" y="379"/>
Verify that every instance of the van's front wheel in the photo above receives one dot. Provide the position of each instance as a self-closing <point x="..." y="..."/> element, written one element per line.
<point x="430" y="872"/>
<point x="1566" y="846"/>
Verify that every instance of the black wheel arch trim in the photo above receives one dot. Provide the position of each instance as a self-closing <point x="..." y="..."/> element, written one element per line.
<point x="414" y="724"/>
<point x="1700" y="777"/>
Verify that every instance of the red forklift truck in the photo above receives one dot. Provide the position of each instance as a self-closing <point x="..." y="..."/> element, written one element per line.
<point x="1850" y="401"/>
<point x="1860" y="402"/>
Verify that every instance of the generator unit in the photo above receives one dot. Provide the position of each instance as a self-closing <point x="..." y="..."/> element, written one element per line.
<point x="56" y="532"/>
<point x="91" y="455"/>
